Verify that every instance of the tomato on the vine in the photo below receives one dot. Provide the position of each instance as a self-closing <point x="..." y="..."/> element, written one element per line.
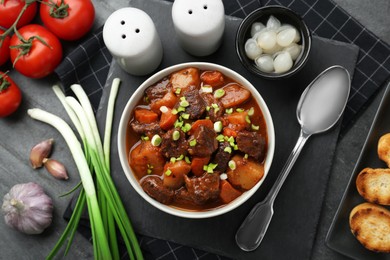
<point x="10" y="9"/>
<point x="4" y="49"/>
<point x="10" y="95"/>
<point x="68" y="19"/>
<point x="38" y="54"/>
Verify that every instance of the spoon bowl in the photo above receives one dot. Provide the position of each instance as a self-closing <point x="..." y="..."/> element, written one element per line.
<point x="319" y="109"/>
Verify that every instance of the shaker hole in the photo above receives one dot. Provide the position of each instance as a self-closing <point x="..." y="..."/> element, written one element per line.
<point x="205" y="7"/>
<point x="190" y="11"/>
<point x="137" y="30"/>
<point x="123" y="36"/>
<point x="122" y="22"/>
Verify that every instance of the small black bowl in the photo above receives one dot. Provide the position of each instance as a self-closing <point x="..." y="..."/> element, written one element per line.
<point x="285" y="16"/>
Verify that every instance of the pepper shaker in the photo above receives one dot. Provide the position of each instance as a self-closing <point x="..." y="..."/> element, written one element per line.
<point x="131" y="37"/>
<point x="199" y="25"/>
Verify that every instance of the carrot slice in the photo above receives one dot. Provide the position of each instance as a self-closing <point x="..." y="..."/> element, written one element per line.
<point x="167" y="119"/>
<point x="228" y="193"/>
<point x="212" y="78"/>
<point x="205" y="122"/>
<point x="145" y="116"/>
<point x="229" y="132"/>
<point x="234" y="95"/>
<point x="197" y="164"/>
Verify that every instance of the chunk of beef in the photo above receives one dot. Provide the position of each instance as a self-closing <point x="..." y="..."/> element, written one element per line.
<point x="222" y="157"/>
<point x="153" y="186"/>
<point x="209" y="100"/>
<point x="206" y="143"/>
<point x="251" y="143"/>
<point x="157" y="91"/>
<point x="146" y="129"/>
<point x="196" y="106"/>
<point x="171" y="148"/>
<point x="203" y="189"/>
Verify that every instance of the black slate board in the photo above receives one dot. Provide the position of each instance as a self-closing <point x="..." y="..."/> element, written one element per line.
<point x="340" y="237"/>
<point x="298" y="205"/>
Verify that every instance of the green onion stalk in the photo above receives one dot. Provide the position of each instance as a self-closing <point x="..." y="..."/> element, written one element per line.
<point x="112" y="212"/>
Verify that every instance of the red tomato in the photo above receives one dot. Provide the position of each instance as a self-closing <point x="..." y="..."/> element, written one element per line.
<point x="10" y="9"/>
<point x="72" y="24"/>
<point x="4" y="49"/>
<point x="40" y="60"/>
<point x="10" y="95"/>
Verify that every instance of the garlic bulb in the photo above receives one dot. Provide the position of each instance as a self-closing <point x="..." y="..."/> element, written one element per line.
<point x="27" y="208"/>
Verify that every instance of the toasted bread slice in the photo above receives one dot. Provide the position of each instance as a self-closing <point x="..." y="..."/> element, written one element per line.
<point x="384" y="148"/>
<point x="374" y="185"/>
<point x="370" y="224"/>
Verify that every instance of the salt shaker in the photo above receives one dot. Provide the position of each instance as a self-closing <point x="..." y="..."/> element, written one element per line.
<point x="132" y="39"/>
<point x="199" y="25"/>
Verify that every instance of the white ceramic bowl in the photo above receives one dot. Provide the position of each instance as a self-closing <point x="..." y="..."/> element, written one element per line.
<point x="123" y="153"/>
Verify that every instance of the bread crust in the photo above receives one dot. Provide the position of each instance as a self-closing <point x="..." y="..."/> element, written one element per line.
<point x="374" y="185"/>
<point x="370" y="224"/>
<point x="384" y="148"/>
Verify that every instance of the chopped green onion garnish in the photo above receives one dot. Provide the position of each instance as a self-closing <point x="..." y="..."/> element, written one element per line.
<point x="220" y="138"/>
<point x="255" y="127"/>
<point x="230" y="139"/>
<point x="207" y="89"/>
<point x="219" y="93"/>
<point x="180" y="157"/>
<point x="184" y="103"/>
<point x="232" y="165"/>
<point x="229" y="110"/>
<point x="181" y="109"/>
<point x="247" y="119"/>
<point x="214" y="105"/>
<point x="193" y="142"/>
<point x="177" y="91"/>
<point x="216" y="110"/>
<point x="163" y="109"/>
<point x="218" y="126"/>
<point x="208" y="108"/>
<point x="172" y="160"/>
<point x="187" y="160"/>
<point x="235" y="147"/>
<point x="156" y="140"/>
<point x="144" y="138"/>
<point x="240" y="110"/>
<point x="182" y="98"/>
<point x="178" y="124"/>
<point x="185" y="116"/>
<point x="186" y="128"/>
<point x="228" y="149"/>
<point x="149" y="171"/>
<point x="175" y="135"/>
<point x="246" y="156"/>
<point x="168" y="172"/>
<point x="210" y="167"/>
<point x="174" y="111"/>
<point x="251" y="111"/>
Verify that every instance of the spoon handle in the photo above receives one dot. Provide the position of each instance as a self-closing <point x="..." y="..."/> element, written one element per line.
<point x="253" y="229"/>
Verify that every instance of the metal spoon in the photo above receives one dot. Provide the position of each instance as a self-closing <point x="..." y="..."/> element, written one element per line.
<point x="319" y="108"/>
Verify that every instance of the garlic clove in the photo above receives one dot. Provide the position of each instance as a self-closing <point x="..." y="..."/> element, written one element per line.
<point x="40" y="151"/>
<point x="55" y="168"/>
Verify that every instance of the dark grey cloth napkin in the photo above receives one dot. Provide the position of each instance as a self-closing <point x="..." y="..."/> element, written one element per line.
<point x="88" y="65"/>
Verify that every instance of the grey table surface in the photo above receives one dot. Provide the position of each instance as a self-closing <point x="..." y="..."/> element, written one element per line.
<point x="372" y="14"/>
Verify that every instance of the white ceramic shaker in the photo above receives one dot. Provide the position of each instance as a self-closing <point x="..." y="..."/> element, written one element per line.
<point x="132" y="39"/>
<point x="199" y="25"/>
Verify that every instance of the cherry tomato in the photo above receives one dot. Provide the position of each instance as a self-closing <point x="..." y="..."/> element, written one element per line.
<point x="42" y="58"/>
<point x="70" y="24"/>
<point x="4" y="49"/>
<point x="10" y="9"/>
<point x="10" y="95"/>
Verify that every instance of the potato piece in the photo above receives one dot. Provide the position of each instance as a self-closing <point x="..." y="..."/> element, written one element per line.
<point x="234" y="95"/>
<point x="185" y="78"/>
<point x="177" y="170"/>
<point x="384" y="149"/>
<point x="228" y="193"/>
<point x="246" y="174"/>
<point x="146" y="159"/>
